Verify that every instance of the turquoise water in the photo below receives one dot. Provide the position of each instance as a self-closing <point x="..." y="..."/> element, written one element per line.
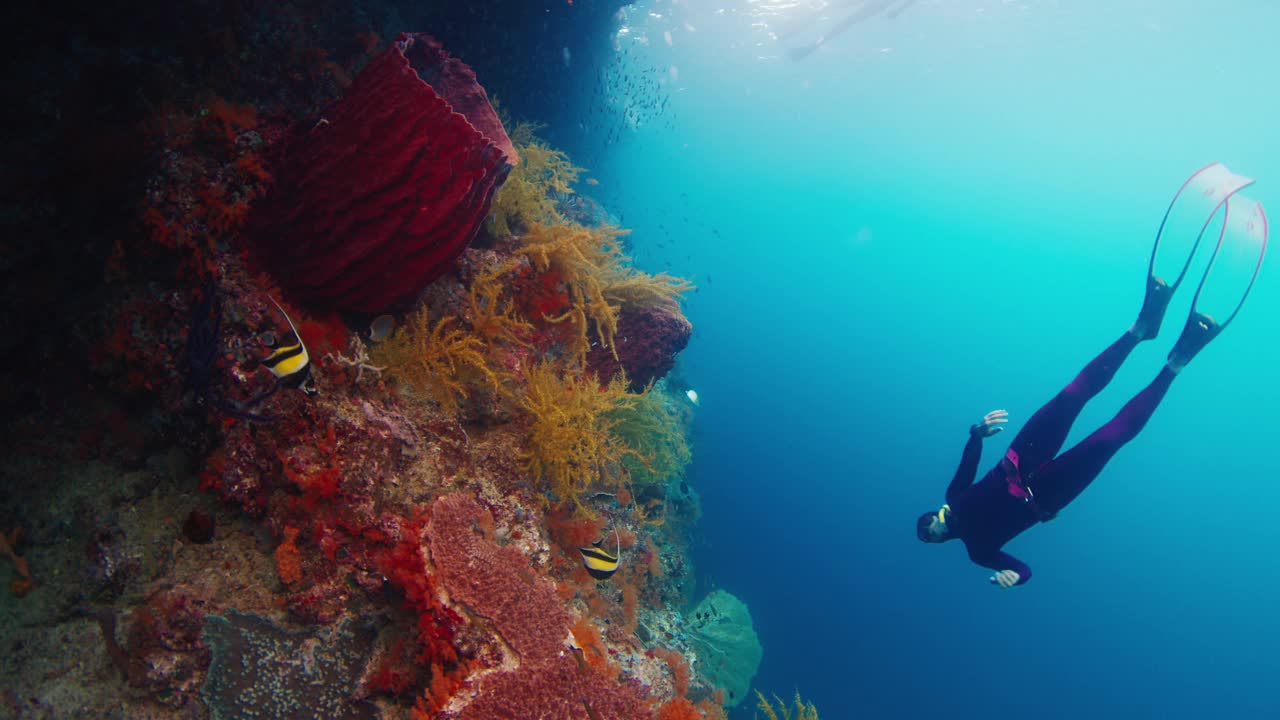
<point x="928" y="218"/>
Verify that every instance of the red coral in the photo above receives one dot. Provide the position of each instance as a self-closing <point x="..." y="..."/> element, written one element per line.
<point x="388" y="675"/>
<point x="571" y="532"/>
<point x="404" y="565"/>
<point x="385" y="191"/>
<point x="324" y="335"/>
<point x="679" y="709"/>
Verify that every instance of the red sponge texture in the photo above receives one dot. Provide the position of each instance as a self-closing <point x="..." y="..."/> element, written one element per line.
<point x="385" y="191"/>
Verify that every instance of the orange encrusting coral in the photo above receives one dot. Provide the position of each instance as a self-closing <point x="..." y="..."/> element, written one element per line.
<point x="231" y="119"/>
<point x="406" y="567"/>
<point x="593" y="647"/>
<point x="679" y="708"/>
<point x="289" y="558"/>
<point x="571" y="531"/>
<point x="204" y="205"/>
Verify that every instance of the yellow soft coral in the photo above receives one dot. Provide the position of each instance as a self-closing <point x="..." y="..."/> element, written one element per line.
<point x="803" y="710"/>
<point x="598" y="276"/>
<point x="438" y="360"/>
<point x="528" y="195"/>
<point x="573" y="443"/>
<point x="650" y="426"/>
<point x="493" y="317"/>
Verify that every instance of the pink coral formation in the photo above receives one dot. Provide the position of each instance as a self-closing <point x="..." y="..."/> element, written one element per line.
<point x="554" y="688"/>
<point x="496" y="583"/>
<point x="380" y="196"/>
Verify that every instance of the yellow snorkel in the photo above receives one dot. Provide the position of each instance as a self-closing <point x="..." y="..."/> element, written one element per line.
<point x="942" y="514"/>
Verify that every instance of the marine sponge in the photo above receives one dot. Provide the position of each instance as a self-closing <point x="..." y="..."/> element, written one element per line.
<point x="646" y="343"/>
<point x="379" y="197"/>
<point x="494" y="582"/>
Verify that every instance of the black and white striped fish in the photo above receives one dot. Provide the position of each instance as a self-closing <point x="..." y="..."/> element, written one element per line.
<point x="290" y="363"/>
<point x="599" y="563"/>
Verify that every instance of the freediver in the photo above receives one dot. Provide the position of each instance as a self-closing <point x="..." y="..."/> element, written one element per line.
<point x="867" y="9"/>
<point x="1030" y="485"/>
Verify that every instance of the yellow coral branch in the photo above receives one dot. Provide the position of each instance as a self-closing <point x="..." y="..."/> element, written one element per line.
<point x="598" y="277"/>
<point x="573" y="443"/>
<point x="803" y="710"/>
<point x="435" y="360"/>
<point x="493" y="317"/>
<point x="529" y="193"/>
<point x="651" y="427"/>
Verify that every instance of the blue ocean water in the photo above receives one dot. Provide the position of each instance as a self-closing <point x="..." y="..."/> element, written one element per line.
<point x="930" y="217"/>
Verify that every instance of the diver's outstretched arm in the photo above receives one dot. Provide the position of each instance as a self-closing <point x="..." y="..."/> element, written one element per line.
<point x="968" y="470"/>
<point x="1004" y="563"/>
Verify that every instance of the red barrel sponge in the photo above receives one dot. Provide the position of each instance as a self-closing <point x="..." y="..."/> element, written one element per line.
<point x="382" y="194"/>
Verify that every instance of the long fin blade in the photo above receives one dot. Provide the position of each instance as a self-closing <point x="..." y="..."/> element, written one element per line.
<point x="1191" y="211"/>
<point x="1236" y="262"/>
<point x="289" y="320"/>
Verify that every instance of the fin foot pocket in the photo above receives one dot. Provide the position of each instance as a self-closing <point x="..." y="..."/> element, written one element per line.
<point x="1199" y="330"/>
<point x="1154" y="305"/>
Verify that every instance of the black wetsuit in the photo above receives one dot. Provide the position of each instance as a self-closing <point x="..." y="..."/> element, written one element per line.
<point x="1029" y="484"/>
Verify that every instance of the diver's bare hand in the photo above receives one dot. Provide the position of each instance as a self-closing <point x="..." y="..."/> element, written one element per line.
<point x="1005" y="579"/>
<point x="992" y="423"/>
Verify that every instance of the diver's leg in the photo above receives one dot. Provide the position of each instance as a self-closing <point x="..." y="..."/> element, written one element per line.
<point x="1061" y="480"/>
<point x="1043" y="435"/>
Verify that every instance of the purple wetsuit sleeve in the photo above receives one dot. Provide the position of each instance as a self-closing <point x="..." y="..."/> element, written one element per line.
<point x="968" y="469"/>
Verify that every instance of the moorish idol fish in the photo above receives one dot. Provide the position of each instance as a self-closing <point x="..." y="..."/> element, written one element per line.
<point x="291" y="364"/>
<point x="599" y="563"/>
